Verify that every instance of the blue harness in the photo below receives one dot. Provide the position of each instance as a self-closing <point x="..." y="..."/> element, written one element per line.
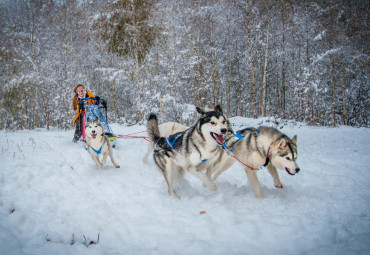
<point x="171" y="143"/>
<point x="97" y="151"/>
<point x="239" y="136"/>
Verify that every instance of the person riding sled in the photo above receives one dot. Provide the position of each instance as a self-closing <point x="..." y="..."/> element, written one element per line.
<point x="85" y="103"/>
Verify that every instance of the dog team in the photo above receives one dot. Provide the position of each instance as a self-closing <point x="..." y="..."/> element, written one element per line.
<point x="206" y="149"/>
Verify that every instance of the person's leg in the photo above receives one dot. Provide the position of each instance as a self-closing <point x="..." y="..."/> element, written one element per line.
<point x="93" y="112"/>
<point x="78" y="130"/>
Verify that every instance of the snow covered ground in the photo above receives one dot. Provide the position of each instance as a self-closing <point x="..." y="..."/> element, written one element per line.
<point x="53" y="200"/>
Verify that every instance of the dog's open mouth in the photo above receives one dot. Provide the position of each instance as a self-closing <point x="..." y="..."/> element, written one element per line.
<point x="219" y="138"/>
<point x="288" y="171"/>
<point x="93" y="135"/>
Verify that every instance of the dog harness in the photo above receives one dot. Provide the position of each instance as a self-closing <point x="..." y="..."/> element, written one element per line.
<point x="97" y="151"/>
<point x="171" y="143"/>
<point x="237" y="135"/>
<point x="203" y="160"/>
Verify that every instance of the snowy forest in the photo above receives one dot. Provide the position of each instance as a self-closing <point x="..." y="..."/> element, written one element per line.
<point x="292" y="59"/>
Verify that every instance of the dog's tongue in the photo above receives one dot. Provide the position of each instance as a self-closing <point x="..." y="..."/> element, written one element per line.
<point x="219" y="138"/>
<point x="93" y="136"/>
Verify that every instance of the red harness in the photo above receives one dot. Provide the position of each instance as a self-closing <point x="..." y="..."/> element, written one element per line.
<point x="266" y="162"/>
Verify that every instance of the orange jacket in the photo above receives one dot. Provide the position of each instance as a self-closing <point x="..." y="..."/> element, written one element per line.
<point x="89" y="101"/>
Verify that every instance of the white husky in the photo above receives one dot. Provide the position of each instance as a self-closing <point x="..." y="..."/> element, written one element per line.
<point x="98" y="143"/>
<point x="255" y="148"/>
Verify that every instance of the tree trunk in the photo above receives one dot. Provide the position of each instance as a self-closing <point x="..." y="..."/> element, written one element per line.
<point x="345" y="121"/>
<point x="333" y="81"/>
<point x="161" y="107"/>
<point x="214" y="71"/>
<point x="46" y="106"/>
<point x="283" y="88"/>
<point x="263" y="95"/>
<point x="251" y="66"/>
<point x="34" y="108"/>
<point x="114" y="95"/>
<point x="228" y="89"/>
<point x="199" y="80"/>
<point x="137" y="76"/>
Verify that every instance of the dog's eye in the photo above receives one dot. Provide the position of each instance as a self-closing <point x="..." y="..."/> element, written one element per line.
<point x="213" y="123"/>
<point x="287" y="158"/>
<point x="224" y="122"/>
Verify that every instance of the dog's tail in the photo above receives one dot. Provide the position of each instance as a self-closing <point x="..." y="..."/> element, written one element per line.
<point x="152" y="128"/>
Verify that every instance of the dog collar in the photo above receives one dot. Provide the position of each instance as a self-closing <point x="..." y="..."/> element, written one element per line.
<point x="97" y="151"/>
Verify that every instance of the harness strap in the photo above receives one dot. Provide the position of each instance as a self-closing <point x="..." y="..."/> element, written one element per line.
<point x="171" y="143"/>
<point x="97" y="151"/>
<point x="244" y="163"/>
<point x="237" y="135"/>
<point x="267" y="157"/>
<point x="240" y="136"/>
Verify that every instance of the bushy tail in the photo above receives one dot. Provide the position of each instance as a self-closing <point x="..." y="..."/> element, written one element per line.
<point x="152" y="128"/>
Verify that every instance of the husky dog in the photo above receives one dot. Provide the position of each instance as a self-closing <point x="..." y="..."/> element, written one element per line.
<point x="193" y="150"/>
<point x="98" y="143"/>
<point x="255" y="148"/>
<point x="165" y="129"/>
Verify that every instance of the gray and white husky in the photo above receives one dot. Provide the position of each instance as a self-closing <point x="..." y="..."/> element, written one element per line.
<point x="192" y="150"/>
<point x="255" y="148"/>
<point x="98" y="143"/>
<point x="165" y="129"/>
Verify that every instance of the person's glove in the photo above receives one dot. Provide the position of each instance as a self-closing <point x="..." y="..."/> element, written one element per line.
<point x="103" y="102"/>
<point x="82" y="104"/>
<point x="97" y="100"/>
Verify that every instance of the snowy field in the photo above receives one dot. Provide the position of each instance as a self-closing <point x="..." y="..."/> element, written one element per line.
<point x="53" y="200"/>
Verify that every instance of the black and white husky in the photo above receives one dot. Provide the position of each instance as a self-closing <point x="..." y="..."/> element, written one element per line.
<point x="98" y="143"/>
<point x="193" y="150"/>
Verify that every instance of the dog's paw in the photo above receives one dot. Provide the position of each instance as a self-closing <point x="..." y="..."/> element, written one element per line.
<point x="175" y="195"/>
<point x="279" y="185"/>
<point x="212" y="186"/>
<point x="260" y="196"/>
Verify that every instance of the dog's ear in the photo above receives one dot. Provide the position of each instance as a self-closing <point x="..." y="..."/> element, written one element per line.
<point x="200" y="110"/>
<point x="281" y="143"/>
<point x="96" y="119"/>
<point x="294" y="139"/>
<point x="218" y="108"/>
